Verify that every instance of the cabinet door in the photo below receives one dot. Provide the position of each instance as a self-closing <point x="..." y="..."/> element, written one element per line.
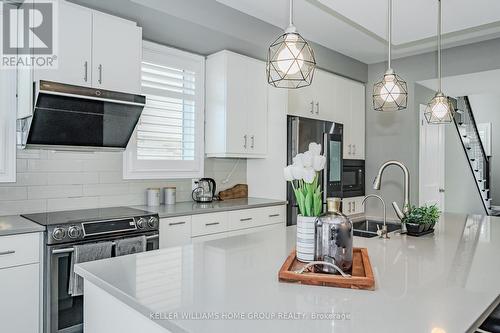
<point x="207" y="224"/>
<point x="343" y="112"/>
<point x="237" y="108"/>
<point x="74" y="47"/>
<point x="256" y="103"/>
<point x="301" y="102"/>
<point x="357" y="124"/>
<point x="175" y="231"/>
<point x="20" y="299"/>
<point x="324" y="86"/>
<point x="8" y="125"/>
<point x="116" y="54"/>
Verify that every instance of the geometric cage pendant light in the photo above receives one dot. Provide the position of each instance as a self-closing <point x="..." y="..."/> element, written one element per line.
<point x="440" y="110"/>
<point x="290" y="59"/>
<point x="391" y="93"/>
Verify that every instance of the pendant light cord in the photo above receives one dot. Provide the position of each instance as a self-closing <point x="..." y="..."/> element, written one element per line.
<point x="439" y="45"/>
<point x="291" y="13"/>
<point x="389" y="34"/>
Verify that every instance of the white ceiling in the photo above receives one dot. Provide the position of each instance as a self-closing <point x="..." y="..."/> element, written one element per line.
<point x="358" y="28"/>
<point x="468" y="84"/>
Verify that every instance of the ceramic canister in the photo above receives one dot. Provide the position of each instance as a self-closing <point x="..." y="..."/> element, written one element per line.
<point x="153" y="196"/>
<point x="170" y="195"/>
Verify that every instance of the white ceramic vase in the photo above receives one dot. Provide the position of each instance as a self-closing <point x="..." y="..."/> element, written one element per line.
<point x="306" y="232"/>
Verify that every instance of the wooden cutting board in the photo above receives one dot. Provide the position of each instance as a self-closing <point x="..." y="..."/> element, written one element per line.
<point x="361" y="277"/>
<point x="235" y="192"/>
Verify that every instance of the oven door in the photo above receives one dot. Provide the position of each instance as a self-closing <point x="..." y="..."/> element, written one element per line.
<point x="353" y="178"/>
<point x="64" y="313"/>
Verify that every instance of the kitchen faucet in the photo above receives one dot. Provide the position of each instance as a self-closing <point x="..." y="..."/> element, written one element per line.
<point x="406" y="203"/>
<point x="382" y="233"/>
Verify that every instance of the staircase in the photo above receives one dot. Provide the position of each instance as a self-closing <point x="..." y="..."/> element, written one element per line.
<point x="473" y="147"/>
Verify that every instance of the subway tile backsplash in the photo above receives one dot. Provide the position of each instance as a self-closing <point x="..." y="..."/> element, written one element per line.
<point x="50" y="181"/>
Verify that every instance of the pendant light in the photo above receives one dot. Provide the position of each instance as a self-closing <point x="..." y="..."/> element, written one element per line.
<point x="391" y="93"/>
<point x="440" y="109"/>
<point x="290" y="59"/>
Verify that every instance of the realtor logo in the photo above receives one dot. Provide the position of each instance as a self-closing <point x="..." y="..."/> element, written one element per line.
<point x="28" y="34"/>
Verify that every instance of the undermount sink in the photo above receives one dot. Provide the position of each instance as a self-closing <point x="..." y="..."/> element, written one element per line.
<point x="368" y="229"/>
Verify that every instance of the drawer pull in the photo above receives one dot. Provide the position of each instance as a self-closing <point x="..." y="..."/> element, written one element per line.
<point x="247" y="219"/>
<point x="176" y="223"/>
<point x="274" y="215"/>
<point x="7" y="252"/>
<point x="209" y="224"/>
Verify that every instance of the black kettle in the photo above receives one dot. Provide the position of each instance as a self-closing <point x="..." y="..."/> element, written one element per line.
<point x="205" y="190"/>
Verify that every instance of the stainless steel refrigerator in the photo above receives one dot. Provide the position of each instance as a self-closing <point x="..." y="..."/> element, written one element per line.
<point x="301" y="132"/>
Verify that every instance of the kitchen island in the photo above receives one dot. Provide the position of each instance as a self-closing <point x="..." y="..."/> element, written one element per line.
<point x="445" y="282"/>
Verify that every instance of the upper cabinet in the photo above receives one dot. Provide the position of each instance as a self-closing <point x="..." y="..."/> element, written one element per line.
<point x="337" y="99"/>
<point x="96" y="50"/>
<point x="236" y="106"/>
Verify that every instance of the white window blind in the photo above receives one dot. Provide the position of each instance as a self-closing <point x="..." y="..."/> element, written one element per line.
<point x="168" y="141"/>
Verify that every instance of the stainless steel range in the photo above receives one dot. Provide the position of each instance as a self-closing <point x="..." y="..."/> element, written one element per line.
<point x="67" y="229"/>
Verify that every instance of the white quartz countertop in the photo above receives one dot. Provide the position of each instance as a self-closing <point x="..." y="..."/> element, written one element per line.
<point x="436" y="283"/>
<point x="192" y="208"/>
<point x="15" y="224"/>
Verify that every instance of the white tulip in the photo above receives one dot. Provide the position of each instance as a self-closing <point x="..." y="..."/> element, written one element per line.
<point x="297" y="160"/>
<point x="319" y="162"/>
<point x="288" y="173"/>
<point x="315" y="148"/>
<point x="298" y="172"/>
<point x="307" y="159"/>
<point x="309" y="175"/>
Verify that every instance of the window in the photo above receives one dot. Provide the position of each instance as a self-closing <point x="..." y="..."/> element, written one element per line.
<point x="168" y="139"/>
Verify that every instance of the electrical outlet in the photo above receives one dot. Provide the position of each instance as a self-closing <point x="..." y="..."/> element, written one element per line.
<point x="194" y="183"/>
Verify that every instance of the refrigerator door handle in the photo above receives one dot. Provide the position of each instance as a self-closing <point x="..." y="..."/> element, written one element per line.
<point x="295" y="136"/>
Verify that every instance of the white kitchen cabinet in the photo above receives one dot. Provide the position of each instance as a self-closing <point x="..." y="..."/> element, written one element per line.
<point x="20" y="301"/>
<point x="116" y="53"/>
<point x="8" y="125"/>
<point x="74" y="51"/>
<point x="96" y="50"/>
<point x="175" y="231"/>
<point x="316" y="101"/>
<point x="206" y="224"/>
<point x="236" y="106"/>
<point x="350" y="97"/>
<point x="353" y="206"/>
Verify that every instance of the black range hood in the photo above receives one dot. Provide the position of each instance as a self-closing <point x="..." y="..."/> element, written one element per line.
<point x="68" y="117"/>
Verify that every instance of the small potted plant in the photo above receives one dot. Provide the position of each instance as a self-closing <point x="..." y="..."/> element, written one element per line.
<point x="421" y="220"/>
<point x="304" y="175"/>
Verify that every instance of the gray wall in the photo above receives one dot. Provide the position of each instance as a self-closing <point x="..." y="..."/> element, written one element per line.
<point x="206" y="26"/>
<point x="486" y="108"/>
<point x="396" y="135"/>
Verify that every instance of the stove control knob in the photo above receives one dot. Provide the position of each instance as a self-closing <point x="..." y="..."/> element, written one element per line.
<point x="141" y="223"/>
<point x="58" y="234"/>
<point x="73" y="232"/>
<point x="152" y="222"/>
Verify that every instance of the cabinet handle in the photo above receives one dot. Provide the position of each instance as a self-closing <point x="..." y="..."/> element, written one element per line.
<point x="176" y="223"/>
<point x="350" y="205"/>
<point x="253" y="141"/>
<point x="350" y="149"/>
<point x="246" y="219"/>
<point x="210" y="224"/>
<point x="317" y="107"/>
<point x="354" y="149"/>
<point x="274" y="215"/>
<point x="86" y="68"/>
<point x="312" y="107"/>
<point x="354" y="206"/>
<point x="245" y="137"/>
<point x="7" y="252"/>
<point x="100" y="74"/>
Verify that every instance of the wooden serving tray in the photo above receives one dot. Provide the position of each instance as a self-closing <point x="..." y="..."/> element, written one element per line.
<point x="362" y="273"/>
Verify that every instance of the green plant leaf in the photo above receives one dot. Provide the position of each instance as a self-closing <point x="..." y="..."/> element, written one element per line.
<point x="309" y="204"/>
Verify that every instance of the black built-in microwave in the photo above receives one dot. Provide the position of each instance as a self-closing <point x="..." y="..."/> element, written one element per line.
<point x="353" y="178"/>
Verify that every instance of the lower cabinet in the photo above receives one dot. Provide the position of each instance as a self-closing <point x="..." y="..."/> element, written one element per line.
<point x="353" y="206"/>
<point x="183" y="230"/>
<point x="20" y="277"/>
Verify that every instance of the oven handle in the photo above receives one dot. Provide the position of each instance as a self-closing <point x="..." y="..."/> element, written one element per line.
<point x="71" y="249"/>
